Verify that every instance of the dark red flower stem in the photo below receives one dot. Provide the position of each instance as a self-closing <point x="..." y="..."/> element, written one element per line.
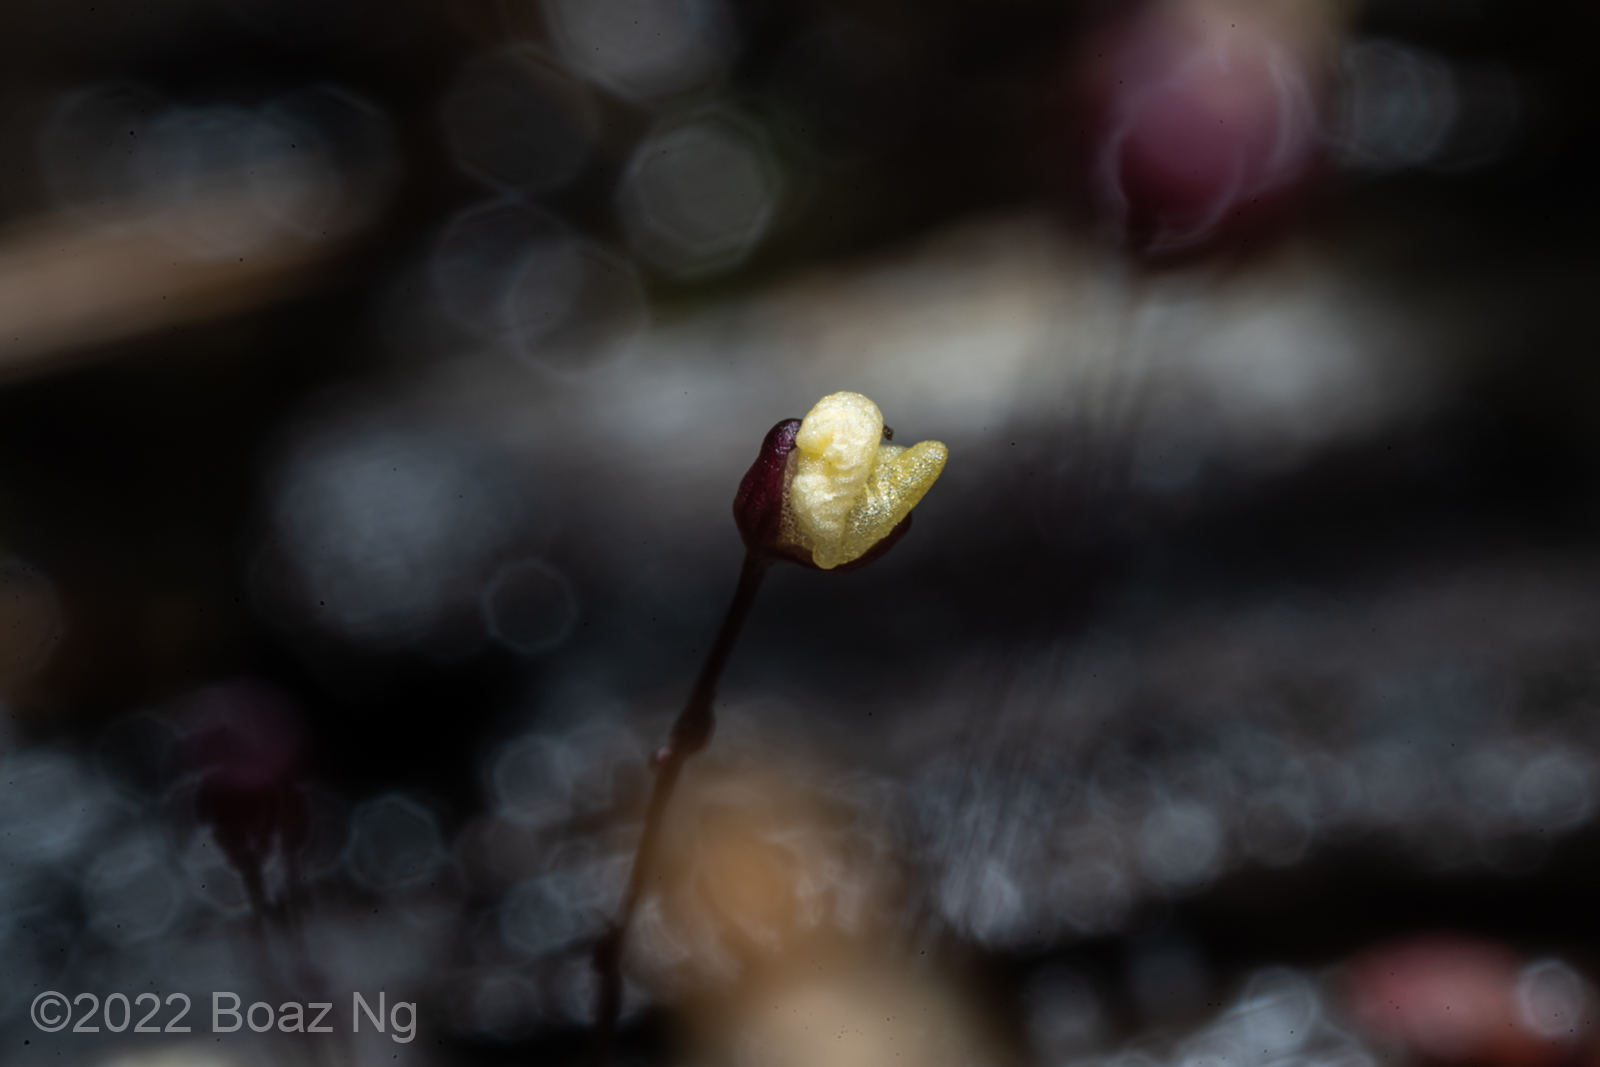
<point x="690" y="733"/>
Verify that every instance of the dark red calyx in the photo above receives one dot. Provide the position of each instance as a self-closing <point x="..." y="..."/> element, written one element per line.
<point x="758" y="506"/>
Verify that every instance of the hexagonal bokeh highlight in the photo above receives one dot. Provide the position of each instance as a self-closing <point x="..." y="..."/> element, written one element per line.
<point x="698" y="196"/>
<point x="516" y="275"/>
<point x="643" y="50"/>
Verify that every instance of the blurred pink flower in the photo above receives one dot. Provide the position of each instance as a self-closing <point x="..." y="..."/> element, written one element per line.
<point x="1200" y="120"/>
<point x="1446" y="998"/>
<point x="245" y="746"/>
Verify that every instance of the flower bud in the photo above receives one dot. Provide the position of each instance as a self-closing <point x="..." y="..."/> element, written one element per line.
<point x="1451" y="999"/>
<point x="245" y="748"/>
<point x="829" y="491"/>
<point x="759" y="505"/>
<point x="1204" y="119"/>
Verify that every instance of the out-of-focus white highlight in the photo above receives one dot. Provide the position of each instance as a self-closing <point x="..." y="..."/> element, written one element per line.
<point x="212" y="876"/>
<point x="480" y="250"/>
<point x="568" y="906"/>
<point x="93" y="146"/>
<point x="133" y="891"/>
<point x="698" y="196"/>
<point x="169" y="213"/>
<point x="1180" y="844"/>
<point x="395" y="844"/>
<point x="1401" y="107"/>
<point x="219" y="180"/>
<point x="1396" y="108"/>
<point x="1064" y="1014"/>
<point x="643" y="49"/>
<point x="1554" y="791"/>
<point x="542" y="779"/>
<point x="529" y="606"/>
<point x="52" y="808"/>
<point x="1278" y="1017"/>
<point x="1551" y="1000"/>
<point x="574" y="305"/>
<point x="388" y="534"/>
<point x="517" y="277"/>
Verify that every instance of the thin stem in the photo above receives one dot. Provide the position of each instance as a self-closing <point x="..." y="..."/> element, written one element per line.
<point x="690" y="733"/>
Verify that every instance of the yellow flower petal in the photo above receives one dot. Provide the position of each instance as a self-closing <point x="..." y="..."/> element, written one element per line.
<point x="849" y="488"/>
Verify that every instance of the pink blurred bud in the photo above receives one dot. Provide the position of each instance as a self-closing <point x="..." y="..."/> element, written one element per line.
<point x="1202" y="121"/>
<point x="244" y="735"/>
<point x="245" y="747"/>
<point x="1448" y="999"/>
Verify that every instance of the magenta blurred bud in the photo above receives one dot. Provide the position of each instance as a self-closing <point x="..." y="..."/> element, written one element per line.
<point x="1453" y="999"/>
<point x="1199" y="125"/>
<point x="245" y="747"/>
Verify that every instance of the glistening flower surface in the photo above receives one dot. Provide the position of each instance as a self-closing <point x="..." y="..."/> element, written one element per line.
<point x="829" y="491"/>
<point x="849" y="486"/>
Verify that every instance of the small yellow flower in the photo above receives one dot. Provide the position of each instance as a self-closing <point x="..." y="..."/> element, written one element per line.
<point x="849" y="487"/>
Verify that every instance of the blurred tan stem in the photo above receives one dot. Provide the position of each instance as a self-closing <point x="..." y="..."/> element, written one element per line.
<point x="690" y="733"/>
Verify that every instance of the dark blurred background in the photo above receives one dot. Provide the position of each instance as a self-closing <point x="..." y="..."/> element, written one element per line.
<point x="374" y="382"/>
